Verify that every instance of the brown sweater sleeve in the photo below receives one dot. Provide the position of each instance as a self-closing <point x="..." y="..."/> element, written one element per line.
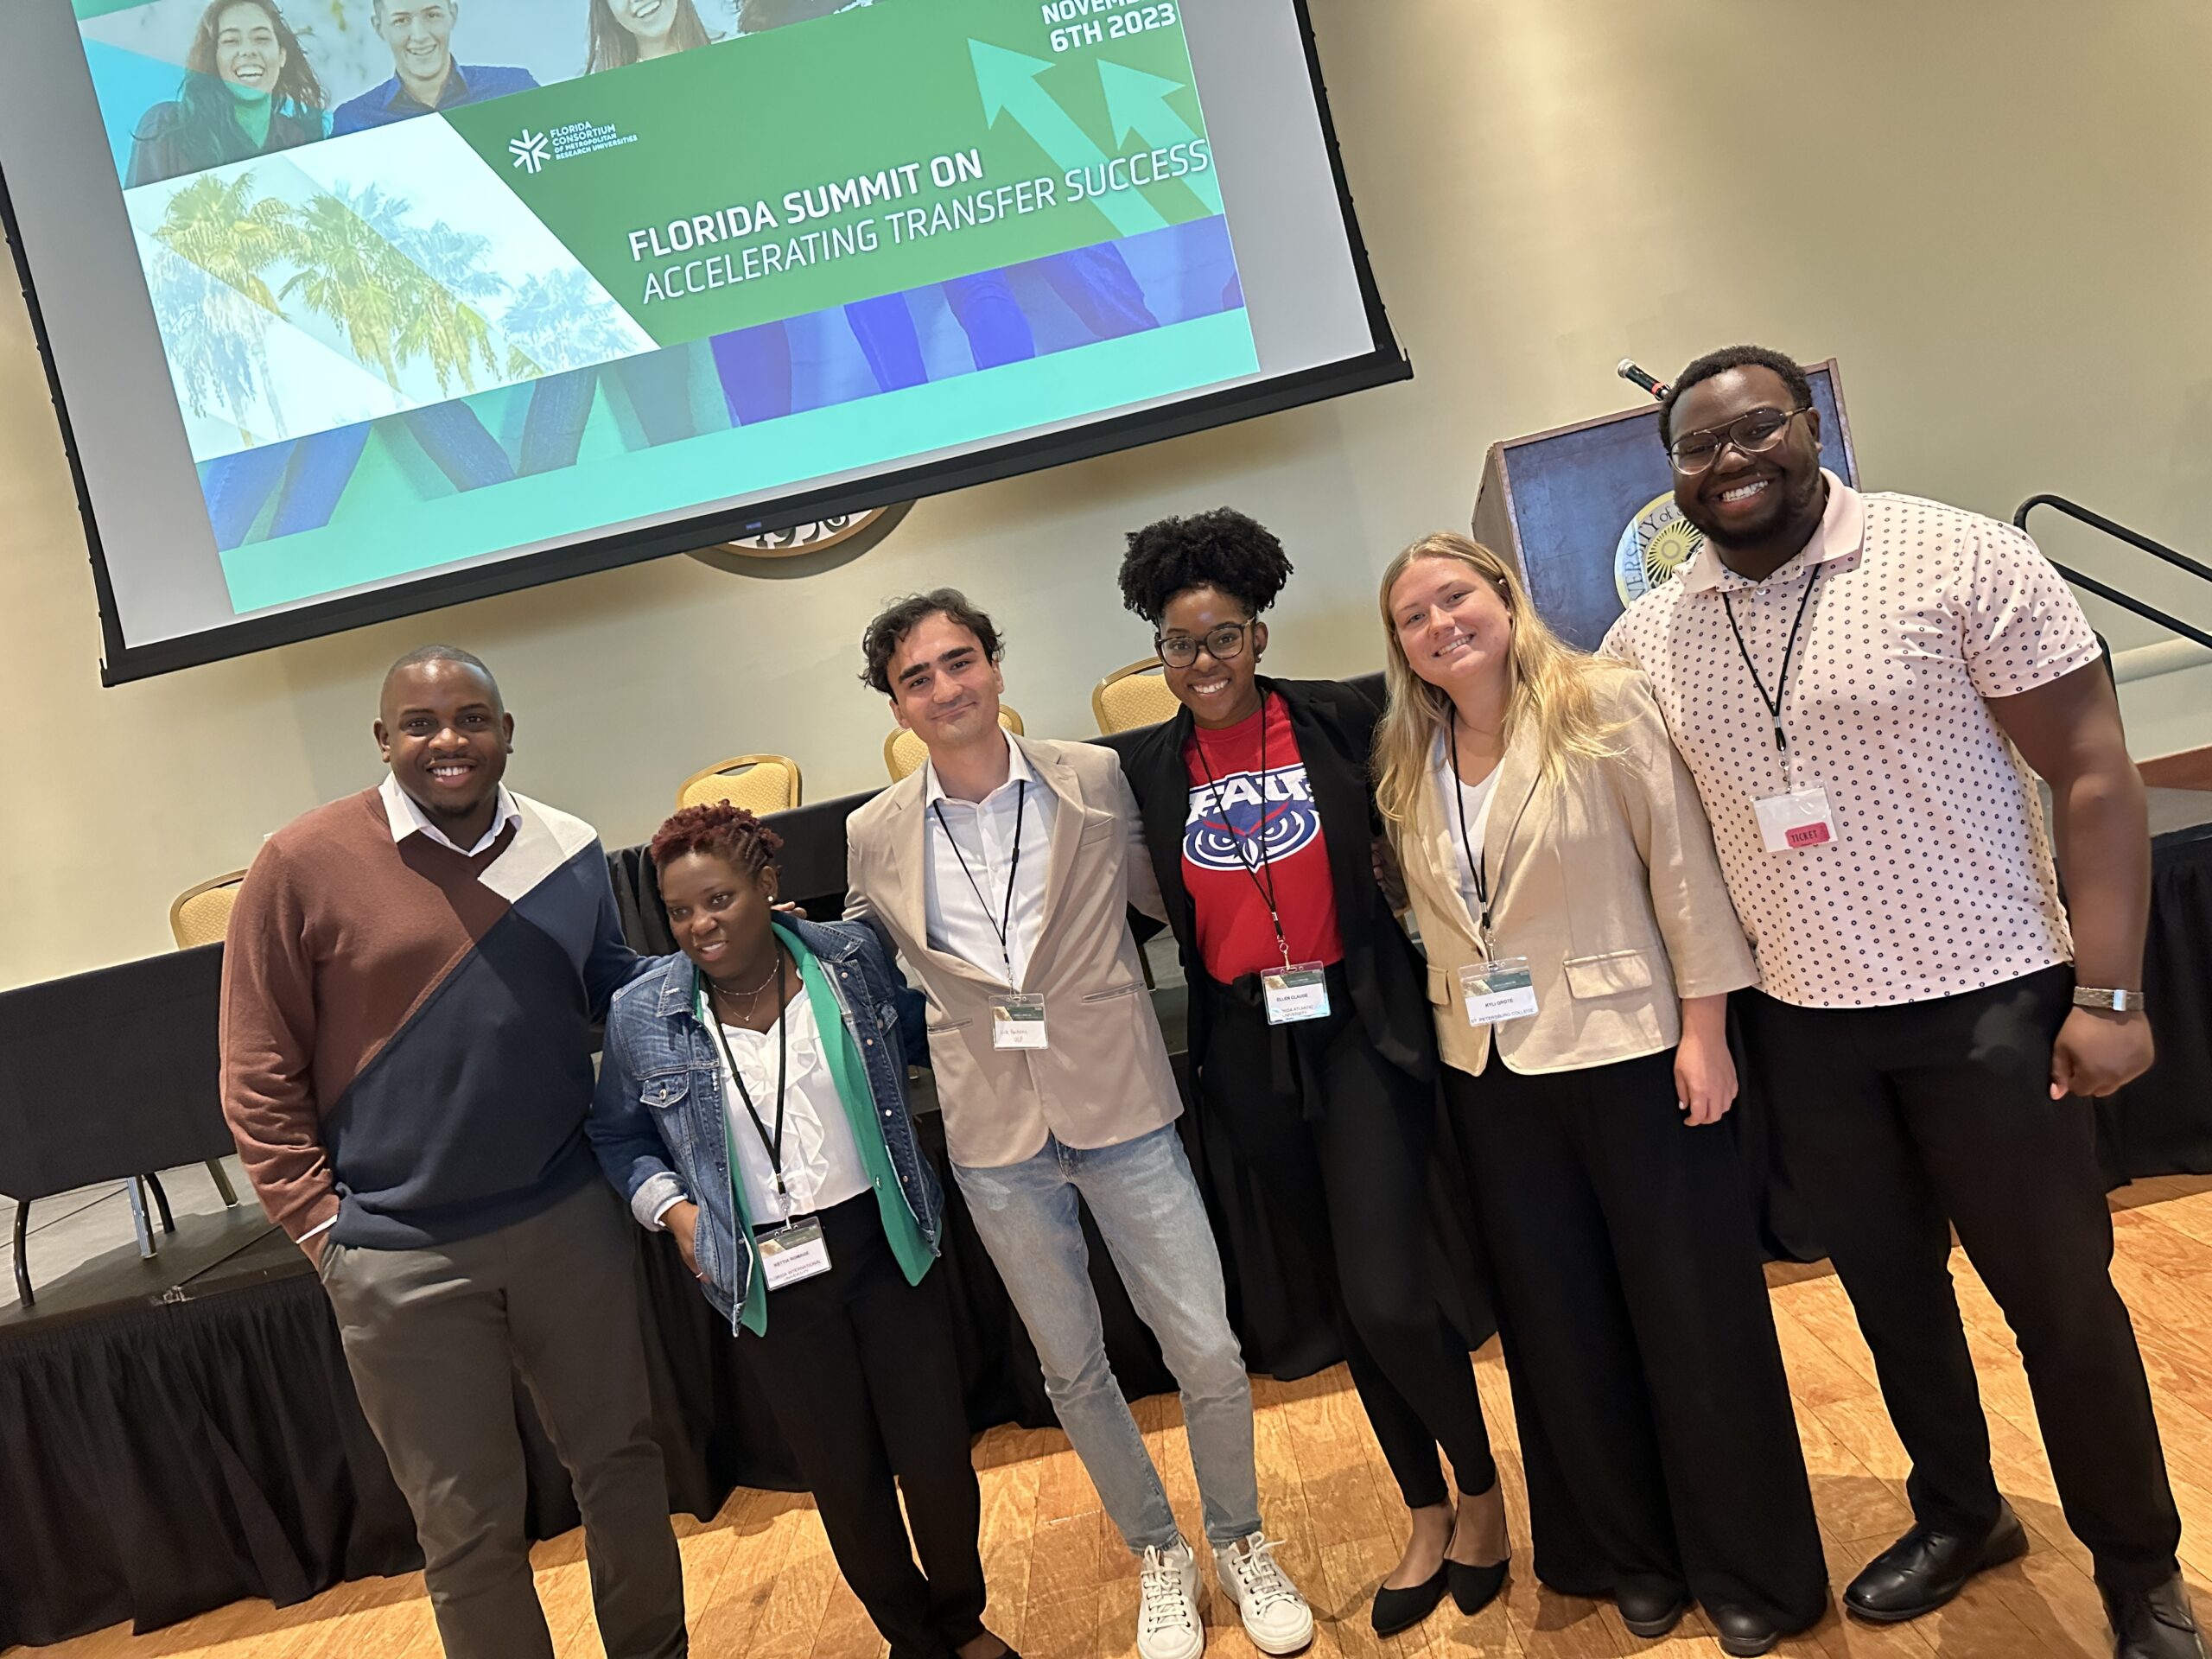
<point x="267" y="1047"/>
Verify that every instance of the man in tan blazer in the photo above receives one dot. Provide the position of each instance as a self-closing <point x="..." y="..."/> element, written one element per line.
<point x="1001" y="872"/>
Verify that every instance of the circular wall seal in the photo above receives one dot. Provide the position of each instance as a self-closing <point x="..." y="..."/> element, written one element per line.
<point x="1658" y="543"/>
<point x="807" y="538"/>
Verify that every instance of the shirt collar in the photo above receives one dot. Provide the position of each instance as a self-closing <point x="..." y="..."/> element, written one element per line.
<point x="456" y="91"/>
<point x="407" y="818"/>
<point x="1841" y="533"/>
<point x="1018" y="770"/>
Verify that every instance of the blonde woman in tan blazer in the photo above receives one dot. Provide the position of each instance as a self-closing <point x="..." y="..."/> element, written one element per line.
<point x="1581" y="948"/>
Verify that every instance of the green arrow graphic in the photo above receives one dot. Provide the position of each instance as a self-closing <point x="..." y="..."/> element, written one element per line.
<point x="1136" y="102"/>
<point x="1008" y="81"/>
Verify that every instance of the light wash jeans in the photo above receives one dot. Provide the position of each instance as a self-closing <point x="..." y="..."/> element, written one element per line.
<point x="1148" y="1208"/>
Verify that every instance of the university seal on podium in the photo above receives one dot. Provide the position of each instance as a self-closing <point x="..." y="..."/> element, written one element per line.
<point x="1658" y="543"/>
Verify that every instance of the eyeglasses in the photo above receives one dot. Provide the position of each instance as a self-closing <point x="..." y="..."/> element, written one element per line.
<point x="1753" y="435"/>
<point x="1223" y="644"/>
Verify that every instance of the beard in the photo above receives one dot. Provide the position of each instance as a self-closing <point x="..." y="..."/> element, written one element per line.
<point x="1786" y="507"/>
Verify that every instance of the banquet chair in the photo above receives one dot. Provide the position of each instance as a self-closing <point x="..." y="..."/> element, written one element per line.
<point x="759" y="783"/>
<point x="903" y="752"/>
<point x="199" y="915"/>
<point x="1133" y="697"/>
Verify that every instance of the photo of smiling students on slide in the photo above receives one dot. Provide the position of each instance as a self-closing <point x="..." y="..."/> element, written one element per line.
<point x="248" y="90"/>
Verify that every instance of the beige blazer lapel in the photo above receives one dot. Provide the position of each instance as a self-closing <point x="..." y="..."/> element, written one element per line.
<point x="1068" y="824"/>
<point x="1505" y="834"/>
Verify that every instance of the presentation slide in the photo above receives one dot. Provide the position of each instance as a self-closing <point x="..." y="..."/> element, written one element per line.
<point x="409" y="288"/>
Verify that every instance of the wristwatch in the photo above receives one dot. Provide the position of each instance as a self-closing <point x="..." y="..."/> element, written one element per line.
<point x="2105" y="1001"/>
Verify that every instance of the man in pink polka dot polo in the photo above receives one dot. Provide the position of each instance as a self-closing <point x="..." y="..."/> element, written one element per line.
<point x="1860" y="684"/>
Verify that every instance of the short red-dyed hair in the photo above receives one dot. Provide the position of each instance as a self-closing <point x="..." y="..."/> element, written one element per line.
<point x="719" y="829"/>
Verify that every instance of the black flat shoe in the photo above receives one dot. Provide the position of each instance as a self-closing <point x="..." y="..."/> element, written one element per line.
<point x="1743" y="1634"/>
<point x="2154" y="1623"/>
<point x="1650" y="1607"/>
<point x="1400" y="1610"/>
<point x="1474" y="1588"/>
<point x="1925" y="1568"/>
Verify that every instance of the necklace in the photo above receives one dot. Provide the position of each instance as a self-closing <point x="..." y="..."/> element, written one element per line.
<point x="775" y="973"/>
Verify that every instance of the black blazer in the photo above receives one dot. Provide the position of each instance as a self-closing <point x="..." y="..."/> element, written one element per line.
<point x="1335" y="727"/>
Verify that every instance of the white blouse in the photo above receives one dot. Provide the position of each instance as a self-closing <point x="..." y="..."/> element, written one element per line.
<point x="1475" y="799"/>
<point x="822" y="1161"/>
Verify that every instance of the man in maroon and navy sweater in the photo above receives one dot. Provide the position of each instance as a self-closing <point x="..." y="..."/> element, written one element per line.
<point x="408" y="991"/>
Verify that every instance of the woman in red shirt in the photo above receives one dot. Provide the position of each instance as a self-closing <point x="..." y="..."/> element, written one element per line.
<point x="1310" y="1034"/>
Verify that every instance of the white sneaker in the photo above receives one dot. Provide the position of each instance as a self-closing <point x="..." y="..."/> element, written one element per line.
<point x="1168" y="1625"/>
<point x="1275" y="1616"/>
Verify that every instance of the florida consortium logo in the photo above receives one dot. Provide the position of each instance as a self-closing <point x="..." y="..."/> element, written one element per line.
<point x="531" y="151"/>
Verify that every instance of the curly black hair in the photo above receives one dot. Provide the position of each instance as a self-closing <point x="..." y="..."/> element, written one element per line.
<point x="1720" y="362"/>
<point x="1223" y="550"/>
<point x="883" y="637"/>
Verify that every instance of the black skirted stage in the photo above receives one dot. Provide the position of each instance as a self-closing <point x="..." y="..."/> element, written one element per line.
<point x="176" y="1438"/>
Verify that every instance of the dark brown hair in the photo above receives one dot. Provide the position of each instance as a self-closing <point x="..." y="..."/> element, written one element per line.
<point x="296" y="81"/>
<point x="880" y="643"/>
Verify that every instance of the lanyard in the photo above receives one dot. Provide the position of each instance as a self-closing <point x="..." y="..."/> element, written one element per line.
<point x="1480" y="867"/>
<point x="772" y="1146"/>
<point x="1781" y="680"/>
<point x="1263" y="876"/>
<point x="1003" y="926"/>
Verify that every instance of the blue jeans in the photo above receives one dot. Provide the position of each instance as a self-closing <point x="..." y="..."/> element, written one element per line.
<point x="1147" y="1207"/>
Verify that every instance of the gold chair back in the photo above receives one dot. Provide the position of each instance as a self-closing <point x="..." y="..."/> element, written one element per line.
<point x="760" y="783"/>
<point x="903" y="752"/>
<point x="201" y="915"/>
<point x="1133" y="697"/>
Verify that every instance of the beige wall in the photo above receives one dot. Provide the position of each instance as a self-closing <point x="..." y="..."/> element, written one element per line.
<point x="1545" y="187"/>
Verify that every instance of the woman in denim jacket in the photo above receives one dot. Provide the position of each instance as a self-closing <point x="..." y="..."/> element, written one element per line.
<point x="751" y="1101"/>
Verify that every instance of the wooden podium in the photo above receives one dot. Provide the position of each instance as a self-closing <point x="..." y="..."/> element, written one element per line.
<point x="1587" y="512"/>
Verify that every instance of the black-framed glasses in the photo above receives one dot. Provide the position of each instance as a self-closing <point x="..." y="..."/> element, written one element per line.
<point x="1753" y="434"/>
<point x="1223" y="644"/>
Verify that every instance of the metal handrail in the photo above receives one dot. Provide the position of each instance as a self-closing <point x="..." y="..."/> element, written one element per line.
<point x="2134" y="538"/>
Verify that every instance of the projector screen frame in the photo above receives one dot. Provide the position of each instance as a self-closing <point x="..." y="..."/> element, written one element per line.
<point x="122" y="664"/>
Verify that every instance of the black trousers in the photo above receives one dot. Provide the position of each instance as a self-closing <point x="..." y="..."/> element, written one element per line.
<point x="1897" y="1124"/>
<point x="1339" y="1141"/>
<point x="1654" y="1411"/>
<point x="859" y="1368"/>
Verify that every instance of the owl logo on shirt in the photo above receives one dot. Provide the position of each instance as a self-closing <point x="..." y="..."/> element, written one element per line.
<point x="1234" y="821"/>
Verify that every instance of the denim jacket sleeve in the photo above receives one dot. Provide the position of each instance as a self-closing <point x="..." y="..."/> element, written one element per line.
<point x="622" y="1134"/>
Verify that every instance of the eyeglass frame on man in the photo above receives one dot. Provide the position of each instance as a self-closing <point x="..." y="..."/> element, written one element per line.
<point x="1727" y="434"/>
<point x="1205" y="642"/>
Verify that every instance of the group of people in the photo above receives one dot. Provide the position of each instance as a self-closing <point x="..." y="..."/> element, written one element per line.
<point x="1790" y="785"/>
<point x="250" y="89"/>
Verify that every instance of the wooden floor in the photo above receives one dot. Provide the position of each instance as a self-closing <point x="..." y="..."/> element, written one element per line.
<point x="762" y="1584"/>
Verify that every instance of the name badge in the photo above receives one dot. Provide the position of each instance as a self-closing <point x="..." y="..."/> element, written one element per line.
<point x="1498" y="990"/>
<point x="793" y="1253"/>
<point x="1018" y="1021"/>
<point x="1298" y="992"/>
<point x="1795" y="821"/>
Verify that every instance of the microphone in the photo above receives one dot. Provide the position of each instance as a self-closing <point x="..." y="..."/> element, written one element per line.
<point x="1627" y="370"/>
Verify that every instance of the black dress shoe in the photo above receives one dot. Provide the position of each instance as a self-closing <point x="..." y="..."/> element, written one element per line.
<point x="1925" y="1568"/>
<point x="2154" y="1623"/>
<point x="1742" y="1632"/>
<point x="1475" y="1588"/>
<point x="1400" y="1610"/>
<point x="1650" y="1606"/>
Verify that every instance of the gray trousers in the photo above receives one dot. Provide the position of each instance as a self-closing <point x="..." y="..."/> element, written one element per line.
<point x="434" y="1338"/>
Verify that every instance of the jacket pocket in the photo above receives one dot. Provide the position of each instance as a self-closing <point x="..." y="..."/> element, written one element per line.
<point x="1439" y="986"/>
<point x="665" y="1091"/>
<point x="1130" y="989"/>
<point x="948" y="1028"/>
<point x="886" y="1016"/>
<point x="1613" y="973"/>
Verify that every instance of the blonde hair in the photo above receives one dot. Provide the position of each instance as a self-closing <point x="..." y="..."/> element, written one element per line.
<point x="1553" y="686"/>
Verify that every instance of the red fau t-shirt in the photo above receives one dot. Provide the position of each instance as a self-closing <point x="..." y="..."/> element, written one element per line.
<point x="1240" y="813"/>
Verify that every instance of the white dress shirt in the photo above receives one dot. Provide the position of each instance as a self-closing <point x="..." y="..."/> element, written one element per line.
<point x="406" y="817"/>
<point x="966" y="905"/>
<point x="822" y="1161"/>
